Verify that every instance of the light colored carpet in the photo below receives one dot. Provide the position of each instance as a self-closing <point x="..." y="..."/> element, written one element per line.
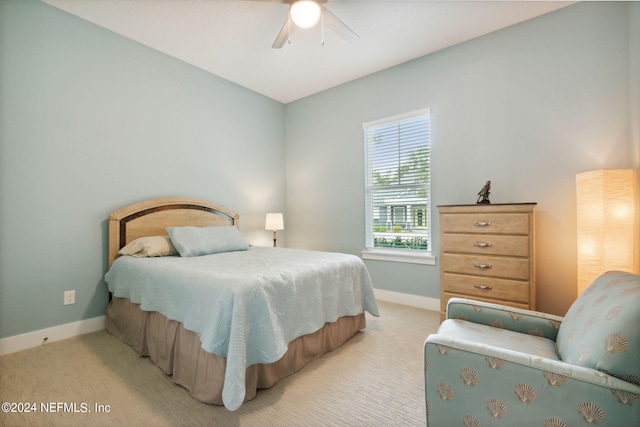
<point x="375" y="379"/>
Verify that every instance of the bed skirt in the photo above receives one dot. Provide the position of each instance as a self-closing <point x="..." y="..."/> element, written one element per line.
<point x="177" y="351"/>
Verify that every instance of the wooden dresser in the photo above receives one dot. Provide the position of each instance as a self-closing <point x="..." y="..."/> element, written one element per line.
<point x="487" y="253"/>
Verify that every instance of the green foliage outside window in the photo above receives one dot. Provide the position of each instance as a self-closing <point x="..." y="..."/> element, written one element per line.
<point x="398" y="242"/>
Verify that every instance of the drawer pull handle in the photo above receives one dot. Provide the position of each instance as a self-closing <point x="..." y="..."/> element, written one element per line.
<point x="483" y="287"/>
<point x="482" y="266"/>
<point x="482" y="224"/>
<point x="482" y="245"/>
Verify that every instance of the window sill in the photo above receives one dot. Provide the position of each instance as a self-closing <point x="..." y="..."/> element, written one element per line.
<point x="398" y="255"/>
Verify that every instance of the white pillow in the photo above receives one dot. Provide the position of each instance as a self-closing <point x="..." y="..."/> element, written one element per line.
<point x="194" y="241"/>
<point x="151" y="246"/>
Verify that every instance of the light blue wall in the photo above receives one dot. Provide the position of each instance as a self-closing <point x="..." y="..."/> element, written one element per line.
<point x="527" y="107"/>
<point x="90" y="122"/>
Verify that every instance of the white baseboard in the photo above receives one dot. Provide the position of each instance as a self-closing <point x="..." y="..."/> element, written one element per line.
<point x="56" y="333"/>
<point x="408" y="299"/>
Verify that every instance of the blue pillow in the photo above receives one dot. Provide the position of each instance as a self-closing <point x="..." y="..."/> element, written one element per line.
<point x="600" y="331"/>
<point x="195" y="241"/>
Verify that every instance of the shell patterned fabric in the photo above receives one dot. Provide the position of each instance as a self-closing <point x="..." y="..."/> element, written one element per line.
<point x="499" y="337"/>
<point x="602" y="328"/>
<point x="478" y="374"/>
<point x="525" y="321"/>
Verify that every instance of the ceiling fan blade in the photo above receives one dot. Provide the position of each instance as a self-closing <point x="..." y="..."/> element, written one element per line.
<point x="333" y="22"/>
<point x="283" y="36"/>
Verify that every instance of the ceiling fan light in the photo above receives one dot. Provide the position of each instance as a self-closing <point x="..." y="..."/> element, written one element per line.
<point x="305" y="13"/>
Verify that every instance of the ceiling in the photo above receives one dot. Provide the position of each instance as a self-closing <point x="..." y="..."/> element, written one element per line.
<point x="232" y="38"/>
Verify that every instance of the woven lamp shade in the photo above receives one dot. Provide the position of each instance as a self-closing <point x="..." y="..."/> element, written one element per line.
<point x="608" y="225"/>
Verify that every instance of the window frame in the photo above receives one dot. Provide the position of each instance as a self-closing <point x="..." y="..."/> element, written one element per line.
<point x="418" y="256"/>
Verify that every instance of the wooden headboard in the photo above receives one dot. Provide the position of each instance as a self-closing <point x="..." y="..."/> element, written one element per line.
<point x="152" y="217"/>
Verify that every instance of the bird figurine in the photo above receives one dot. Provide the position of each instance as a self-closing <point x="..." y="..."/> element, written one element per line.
<point x="483" y="195"/>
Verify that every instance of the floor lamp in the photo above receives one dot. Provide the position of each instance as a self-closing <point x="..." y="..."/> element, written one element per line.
<point x="608" y="224"/>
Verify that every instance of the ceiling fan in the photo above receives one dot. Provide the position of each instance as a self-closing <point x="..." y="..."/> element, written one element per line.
<point x="306" y="14"/>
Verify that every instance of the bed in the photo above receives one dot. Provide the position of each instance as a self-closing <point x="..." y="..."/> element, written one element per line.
<point x="224" y="318"/>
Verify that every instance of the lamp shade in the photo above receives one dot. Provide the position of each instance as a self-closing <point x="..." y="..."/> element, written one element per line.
<point x="274" y="222"/>
<point x="608" y="229"/>
<point x="305" y="13"/>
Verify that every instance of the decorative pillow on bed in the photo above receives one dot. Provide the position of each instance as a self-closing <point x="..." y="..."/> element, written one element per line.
<point x="149" y="247"/>
<point x="195" y="241"/>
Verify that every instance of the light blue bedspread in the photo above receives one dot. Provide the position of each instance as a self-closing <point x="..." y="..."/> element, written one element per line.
<point x="247" y="305"/>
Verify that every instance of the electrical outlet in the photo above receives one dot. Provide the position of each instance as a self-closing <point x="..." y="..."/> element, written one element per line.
<point x="69" y="297"/>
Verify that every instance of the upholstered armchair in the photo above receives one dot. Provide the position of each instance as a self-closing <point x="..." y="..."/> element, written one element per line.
<point x="491" y="365"/>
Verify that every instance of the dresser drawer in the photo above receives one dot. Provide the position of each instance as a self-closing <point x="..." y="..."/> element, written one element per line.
<point x="510" y="290"/>
<point x="485" y="223"/>
<point x="446" y="296"/>
<point x="487" y="266"/>
<point x="487" y="244"/>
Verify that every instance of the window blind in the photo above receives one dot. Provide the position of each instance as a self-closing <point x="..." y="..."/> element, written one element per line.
<point x="397" y="164"/>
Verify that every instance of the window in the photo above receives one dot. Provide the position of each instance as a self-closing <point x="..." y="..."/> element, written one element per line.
<point x="397" y="164"/>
